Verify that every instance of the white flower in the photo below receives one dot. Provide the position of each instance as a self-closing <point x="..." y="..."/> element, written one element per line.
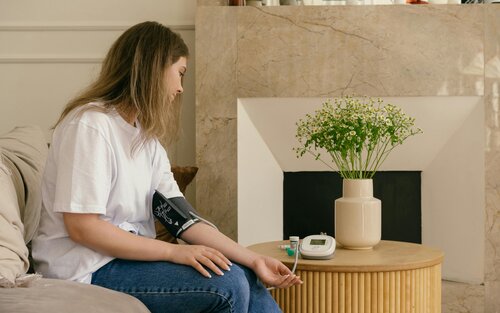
<point x="363" y="130"/>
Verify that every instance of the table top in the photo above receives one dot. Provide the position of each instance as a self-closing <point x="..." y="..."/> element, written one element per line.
<point x="385" y="256"/>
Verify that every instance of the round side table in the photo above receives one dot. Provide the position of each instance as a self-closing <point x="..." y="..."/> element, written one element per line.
<point x="393" y="277"/>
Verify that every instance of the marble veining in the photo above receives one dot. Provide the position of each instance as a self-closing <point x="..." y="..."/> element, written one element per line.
<point x="462" y="298"/>
<point x="294" y="51"/>
<point x="216" y="91"/>
<point x="492" y="97"/>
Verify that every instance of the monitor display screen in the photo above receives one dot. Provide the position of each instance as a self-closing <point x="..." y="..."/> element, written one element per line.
<point x="318" y="242"/>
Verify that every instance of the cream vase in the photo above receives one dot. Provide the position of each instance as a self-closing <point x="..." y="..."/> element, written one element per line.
<point x="358" y="215"/>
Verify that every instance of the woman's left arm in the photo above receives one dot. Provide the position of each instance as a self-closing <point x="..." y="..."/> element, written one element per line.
<point x="269" y="270"/>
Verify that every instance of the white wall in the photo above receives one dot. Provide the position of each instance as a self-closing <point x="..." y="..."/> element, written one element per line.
<point x="260" y="186"/>
<point x="36" y="12"/>
<point x="51" y="49"/>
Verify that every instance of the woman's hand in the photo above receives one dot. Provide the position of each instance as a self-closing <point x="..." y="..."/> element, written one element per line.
<point x="197" y="257"/>
<point x="274" y="273"/>
<point x="269" y="270"/>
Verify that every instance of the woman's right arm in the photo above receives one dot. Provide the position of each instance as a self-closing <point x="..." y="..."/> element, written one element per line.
<point x="99" y="235"/>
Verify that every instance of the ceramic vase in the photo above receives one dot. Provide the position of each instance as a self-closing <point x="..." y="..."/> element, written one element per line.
<point x="358" y="215"/>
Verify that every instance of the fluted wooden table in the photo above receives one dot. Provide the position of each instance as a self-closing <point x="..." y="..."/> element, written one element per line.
<point x="393" y="277"/>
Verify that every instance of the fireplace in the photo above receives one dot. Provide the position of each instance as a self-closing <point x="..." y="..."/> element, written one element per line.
<point x="308" y="198"/>
<point x="449" y="155"/>
<point x="390" y="51"/>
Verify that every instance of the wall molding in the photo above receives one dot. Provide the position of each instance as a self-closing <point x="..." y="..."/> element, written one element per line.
<point x="67" y="28"/>
<point x="82" y="27"/>
<point x="50" y="60"/>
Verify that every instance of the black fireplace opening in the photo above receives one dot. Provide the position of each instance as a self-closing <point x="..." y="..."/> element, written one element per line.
<point x="308" y="201"/>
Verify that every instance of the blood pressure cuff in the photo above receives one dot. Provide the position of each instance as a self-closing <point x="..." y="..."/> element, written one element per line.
<point x="176" y="214"/>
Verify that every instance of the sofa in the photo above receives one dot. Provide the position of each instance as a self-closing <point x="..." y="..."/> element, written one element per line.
<point x="23" y="152"/>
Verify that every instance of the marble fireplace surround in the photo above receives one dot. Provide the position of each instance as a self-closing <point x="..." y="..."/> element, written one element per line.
<point x="386" y="51"/>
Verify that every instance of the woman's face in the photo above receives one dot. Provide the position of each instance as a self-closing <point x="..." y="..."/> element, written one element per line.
<point x="173" y="78"/>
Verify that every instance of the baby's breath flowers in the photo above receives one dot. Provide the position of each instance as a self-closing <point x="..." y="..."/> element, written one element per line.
<point x="358" y="133"/>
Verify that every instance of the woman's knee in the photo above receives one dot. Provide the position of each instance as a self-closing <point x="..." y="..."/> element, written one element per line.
<point x="234" y="284"/>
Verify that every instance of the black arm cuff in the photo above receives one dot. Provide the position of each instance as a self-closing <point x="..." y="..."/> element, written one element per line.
<point x="174" y="213"/>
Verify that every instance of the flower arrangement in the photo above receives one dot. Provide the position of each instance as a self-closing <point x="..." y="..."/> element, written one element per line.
<point x="358" y="133"/>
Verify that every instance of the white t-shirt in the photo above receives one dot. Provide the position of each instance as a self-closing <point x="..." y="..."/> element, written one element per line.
<point x="90" y="169"/>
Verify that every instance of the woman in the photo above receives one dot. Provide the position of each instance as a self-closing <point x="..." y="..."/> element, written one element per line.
<point x="104" y="165"/>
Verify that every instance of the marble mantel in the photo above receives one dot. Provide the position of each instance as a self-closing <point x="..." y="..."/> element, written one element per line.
<point x="386" y="51"/>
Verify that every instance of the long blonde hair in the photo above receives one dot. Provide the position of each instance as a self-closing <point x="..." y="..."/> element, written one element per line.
<point x="132" y="80"/>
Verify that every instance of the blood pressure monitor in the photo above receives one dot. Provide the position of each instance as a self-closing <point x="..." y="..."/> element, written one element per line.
<point x="317" y="247"/>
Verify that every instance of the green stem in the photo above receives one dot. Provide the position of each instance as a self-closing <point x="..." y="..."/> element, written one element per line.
<point x="382" y="157"/>
<point x="380" y="148"/>
<point x="369" y="154"/>
<point x="341" y="163"/>
<point x="361" y="164"/>
<point x="352" y="166"/>
<point x="317" y="158"/>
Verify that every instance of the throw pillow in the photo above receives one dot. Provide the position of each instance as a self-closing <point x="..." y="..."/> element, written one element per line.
<point x="22" y="154"/>
<point x="25" y="148"/>
<point x="13" y="251"/>
<point x="183" y="176"/>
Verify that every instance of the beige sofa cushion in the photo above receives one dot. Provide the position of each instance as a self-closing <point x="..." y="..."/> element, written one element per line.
<point x="13" y="251"/>
<point x="61" y="296"/>
<point x="26" y="149"/>
<point x="22" y="157"/>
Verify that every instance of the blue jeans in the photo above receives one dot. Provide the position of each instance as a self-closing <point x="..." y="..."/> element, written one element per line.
<point x="167" y="287"/>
